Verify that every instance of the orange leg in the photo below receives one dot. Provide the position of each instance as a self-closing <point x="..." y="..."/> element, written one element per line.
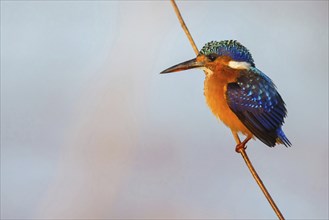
<point x="236" y="137"/>
<point x="242" y="144"/>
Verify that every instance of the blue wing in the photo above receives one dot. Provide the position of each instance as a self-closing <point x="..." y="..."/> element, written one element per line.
<point x="256" y="102"/>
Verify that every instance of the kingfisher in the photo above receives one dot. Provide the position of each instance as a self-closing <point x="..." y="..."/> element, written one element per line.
<point x="239" y="94"/>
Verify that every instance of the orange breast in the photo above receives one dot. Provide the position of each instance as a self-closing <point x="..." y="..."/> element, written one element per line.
<point x="214" y="91"/>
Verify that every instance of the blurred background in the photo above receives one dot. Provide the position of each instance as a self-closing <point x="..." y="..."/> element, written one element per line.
<point x="90" y="129"/>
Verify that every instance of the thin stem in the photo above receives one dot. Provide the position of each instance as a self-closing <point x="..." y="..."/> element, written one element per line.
<point x="242" y="151"/>
<point x="187" y="32"/>
<point x="260" y="183"/>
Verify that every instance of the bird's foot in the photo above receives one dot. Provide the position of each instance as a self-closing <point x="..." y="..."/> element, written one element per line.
<point x="240" y="147"/>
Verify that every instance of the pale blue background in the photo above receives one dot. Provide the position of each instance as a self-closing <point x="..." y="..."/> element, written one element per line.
<point x="89" y="129"/>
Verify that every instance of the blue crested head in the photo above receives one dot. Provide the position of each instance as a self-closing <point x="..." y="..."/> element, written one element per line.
<point x="231" y="48"/>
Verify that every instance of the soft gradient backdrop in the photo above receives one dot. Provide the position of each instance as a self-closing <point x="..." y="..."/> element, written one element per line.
<point x="90" y="129"/>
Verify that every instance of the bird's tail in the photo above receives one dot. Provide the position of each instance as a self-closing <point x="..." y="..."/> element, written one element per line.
<point x="282" y="139"/>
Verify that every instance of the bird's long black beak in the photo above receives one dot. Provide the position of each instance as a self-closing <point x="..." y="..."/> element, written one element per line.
<point x="190" y="64"/>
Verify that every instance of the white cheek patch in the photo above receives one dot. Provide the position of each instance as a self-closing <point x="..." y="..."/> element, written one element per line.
<point x="239" y="65"/>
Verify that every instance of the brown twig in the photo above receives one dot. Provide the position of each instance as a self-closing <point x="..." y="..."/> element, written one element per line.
<point x="187" y="32"/>
<point x="242" y="151"/>
<point x="260" y="183"/>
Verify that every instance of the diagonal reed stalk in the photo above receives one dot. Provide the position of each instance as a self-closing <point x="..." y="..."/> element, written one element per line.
<point x="242" y="151"/>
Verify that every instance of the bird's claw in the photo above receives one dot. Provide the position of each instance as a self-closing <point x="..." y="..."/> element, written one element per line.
<point x="240" y="146"/>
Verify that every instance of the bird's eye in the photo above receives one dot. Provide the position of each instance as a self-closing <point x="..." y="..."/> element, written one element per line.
<point x="212" y="56"/>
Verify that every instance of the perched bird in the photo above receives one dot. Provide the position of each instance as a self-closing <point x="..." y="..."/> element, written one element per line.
<point x="239" y="94"/>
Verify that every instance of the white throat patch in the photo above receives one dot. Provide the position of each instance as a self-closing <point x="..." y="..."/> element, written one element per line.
<point x="208" y="71"/>
<point x="239" y="65"/>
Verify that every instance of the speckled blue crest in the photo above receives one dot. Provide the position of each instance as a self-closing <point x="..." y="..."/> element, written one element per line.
<point x="231" y="48"/>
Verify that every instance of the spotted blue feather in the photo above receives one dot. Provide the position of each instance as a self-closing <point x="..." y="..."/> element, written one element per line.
<point x="256" y="102"/>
